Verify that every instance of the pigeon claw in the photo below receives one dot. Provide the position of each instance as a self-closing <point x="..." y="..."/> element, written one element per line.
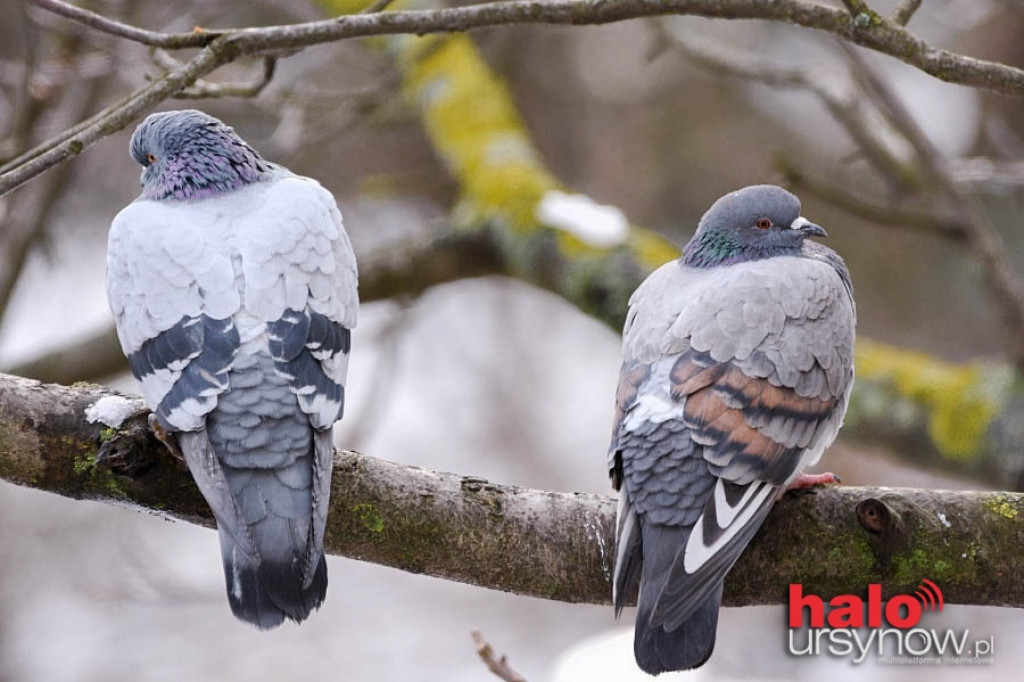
<point x="804" y="481"/>
<point x="165" y="437"/>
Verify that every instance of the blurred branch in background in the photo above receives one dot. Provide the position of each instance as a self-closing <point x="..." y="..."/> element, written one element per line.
<point x="543" y="544"/>
<point x="61" y="83"/>
<point x="966" y="414"/>
<point x="399" y="272"/>
<point x="923" y="178"/>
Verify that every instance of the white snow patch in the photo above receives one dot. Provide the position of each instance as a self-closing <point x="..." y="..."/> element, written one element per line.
<point x="597" y="224"/>
<point x="110" y="410"/>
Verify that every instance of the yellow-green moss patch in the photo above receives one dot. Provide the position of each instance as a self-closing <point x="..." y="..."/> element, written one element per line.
<point x="961" y="400"/>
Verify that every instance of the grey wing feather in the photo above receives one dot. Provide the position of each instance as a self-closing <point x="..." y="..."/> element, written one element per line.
<point x="209" y="477"/>
<point x="323" y="463"/>
<point x="307" y="277"/>
<point x="172" y="294"/>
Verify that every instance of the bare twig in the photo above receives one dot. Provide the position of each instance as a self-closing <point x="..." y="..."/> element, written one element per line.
<point x="498" y="666"/>
<point x="202" y="89"/>
<point x="29" y="103"/>
<point x="890" y="215"/>
<point x="846" y="110"/>
<point x="877" y="33"/>
<point x="982" y="238"/>
<point x="107" y="122"/>
<point x="32" y="210"/>
<point x="905" y="11"/>
<point x="890" y="104"/>
<point x="378" y="6"/>
<point x="99" y="22"/>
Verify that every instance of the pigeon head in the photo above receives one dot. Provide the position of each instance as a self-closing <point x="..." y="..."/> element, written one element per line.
<point x="750" y="224"/>
<point x="191" y="155"/>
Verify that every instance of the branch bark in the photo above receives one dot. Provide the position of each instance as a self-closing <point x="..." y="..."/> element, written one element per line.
<point x="544" y="544"/>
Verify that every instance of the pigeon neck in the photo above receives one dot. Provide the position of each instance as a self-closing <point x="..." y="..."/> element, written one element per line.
<point x="190" y="177"/>
<point x="711" y="248"/>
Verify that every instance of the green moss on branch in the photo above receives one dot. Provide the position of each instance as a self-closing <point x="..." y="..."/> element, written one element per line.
<point x="545" y="544"/>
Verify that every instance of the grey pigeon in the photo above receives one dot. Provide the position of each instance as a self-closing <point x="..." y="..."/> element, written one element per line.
<point x="737" y="370"/>
<point x="233" y="288"/>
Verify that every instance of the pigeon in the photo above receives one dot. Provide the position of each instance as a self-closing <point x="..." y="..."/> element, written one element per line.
<point x="234" y="292"/>
<point x="736" y="374"/>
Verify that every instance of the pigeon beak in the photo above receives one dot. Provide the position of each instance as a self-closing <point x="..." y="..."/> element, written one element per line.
<point x="807" y="228"/>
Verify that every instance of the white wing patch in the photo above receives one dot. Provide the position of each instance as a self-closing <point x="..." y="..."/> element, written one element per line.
<point x="738" y="516"/>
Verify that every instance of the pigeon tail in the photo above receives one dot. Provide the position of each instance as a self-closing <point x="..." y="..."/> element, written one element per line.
<point x="266" y="593"/>
<point x="688" y="646"/>
<point x="271" y="522"/>
<point x="670" y="646"/>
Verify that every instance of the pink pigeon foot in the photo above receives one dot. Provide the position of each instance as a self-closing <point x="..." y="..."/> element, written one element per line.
<point x="804" y="481"/>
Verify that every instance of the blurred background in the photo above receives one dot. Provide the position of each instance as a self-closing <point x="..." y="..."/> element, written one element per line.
<point x="496" y="376"/>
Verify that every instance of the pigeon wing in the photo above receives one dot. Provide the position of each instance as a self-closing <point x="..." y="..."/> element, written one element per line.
<point x="745" y="372"/>
<point x="300" y="267"/>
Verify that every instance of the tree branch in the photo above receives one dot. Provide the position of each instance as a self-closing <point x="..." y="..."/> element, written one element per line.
<point x="205" y="90"/>
<point x="543" y="544"/>
<point x="107" y="122"/>
<point x="171" y="41"/>
<point x="866" y="28"/>
<point x="905" y="11"/>
<point x="846" y="109"/>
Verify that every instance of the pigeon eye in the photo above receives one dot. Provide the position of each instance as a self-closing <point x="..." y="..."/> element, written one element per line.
<point x="151" y="158"/>
<point x="763" y="224"/>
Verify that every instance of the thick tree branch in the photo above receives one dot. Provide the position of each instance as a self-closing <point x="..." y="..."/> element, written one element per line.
<point x="545" y="544"/>
<point x="865" y="28"/>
